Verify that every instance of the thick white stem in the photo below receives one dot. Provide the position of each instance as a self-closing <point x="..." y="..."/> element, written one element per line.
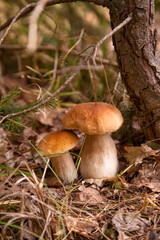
<point x="64" y="167"/>
<point x="99" y="157"/>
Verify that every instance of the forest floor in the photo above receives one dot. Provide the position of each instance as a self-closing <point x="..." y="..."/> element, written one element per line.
<point x="125" y="207"/>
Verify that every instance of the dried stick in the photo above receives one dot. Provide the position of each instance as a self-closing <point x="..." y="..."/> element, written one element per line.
<point x="68" y="81"/>
<point x="93" y="75"/>
<point x="8" y="47"/>
<point x="47" y="222"/>
<point x="121" y="25"/>
<point x="70" y="50"/>
<point x="23" y="12"/>
<point x="33" y="26"/>
<point x="14" y="19"/>
<point x="93" y="80"/>
<point x="27" y="9"/>
<point x="22" y="219"/>
<point x="71" y="68"/>
<point x="107" y="84"/>
<point x="54" y="71"/>
<point x="116" y="84"/>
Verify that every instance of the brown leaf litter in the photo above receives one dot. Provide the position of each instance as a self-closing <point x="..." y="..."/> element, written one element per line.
<point x="89" y="208"/>
<point x="87" y="195"/>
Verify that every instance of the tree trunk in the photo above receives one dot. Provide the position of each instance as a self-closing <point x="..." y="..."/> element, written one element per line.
<point x="135" y="46"/>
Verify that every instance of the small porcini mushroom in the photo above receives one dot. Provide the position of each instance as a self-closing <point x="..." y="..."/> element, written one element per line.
<point x="56" y="143"/>
<point x="99" y="154"/>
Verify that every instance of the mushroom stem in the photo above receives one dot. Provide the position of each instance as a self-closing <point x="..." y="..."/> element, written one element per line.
<point x="99" y="157"/>
<point x="64" y="167"/>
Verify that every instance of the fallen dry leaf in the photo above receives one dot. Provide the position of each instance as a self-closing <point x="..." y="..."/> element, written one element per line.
<point x="3" y="145"/>
<point x="137" y="154"/>
<point x="128" y="222"/>
<point x="88" y="195"/>
<point x="149" y="176"/>
<point x="83" y="226"/>
<point x="9" y="156"/>
<point x="51" y="117"/>
<point x="122" y="236"/>
<point x="29" y="132"/>
<point x="99" y="181"/>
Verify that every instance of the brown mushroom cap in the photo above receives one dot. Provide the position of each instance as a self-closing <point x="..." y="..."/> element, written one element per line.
<point x="58" y="142"/>
<point x="93" y="118"/>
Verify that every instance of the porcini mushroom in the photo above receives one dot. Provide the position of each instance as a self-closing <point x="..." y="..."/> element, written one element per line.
<point x="57" y="143"/>
<point x="99" y="154"/>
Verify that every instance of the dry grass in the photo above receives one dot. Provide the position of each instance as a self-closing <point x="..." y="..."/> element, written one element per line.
<point x="29" y="210"/>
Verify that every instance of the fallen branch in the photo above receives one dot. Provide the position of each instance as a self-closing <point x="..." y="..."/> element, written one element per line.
<point x="54" y="71"/>
<point x="33" y="26"/>
<point x="70" y="50"/>
<point x="7" y="47"/>
<point x="27" y="9"/>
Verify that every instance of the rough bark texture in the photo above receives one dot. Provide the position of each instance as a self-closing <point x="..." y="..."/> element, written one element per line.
<point x="135" y="46"/>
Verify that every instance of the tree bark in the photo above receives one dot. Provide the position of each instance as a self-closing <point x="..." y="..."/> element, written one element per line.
<point x="135" y="46"/>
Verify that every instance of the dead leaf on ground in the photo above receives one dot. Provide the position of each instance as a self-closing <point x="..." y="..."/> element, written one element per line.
<point x="88" y="195"/>
<point x="9" y="157"/>
<point x="149" y="176"/>
<point x="136" y="154"/>
<point x="3" y="145"/>
<point x="99" y="181"/>
<point x="123" y="236"/>
<point x="128" y="222"/>
<point x="83" y="226"/>
<point x="51" y="117"/>
<point x="29" y="132"/>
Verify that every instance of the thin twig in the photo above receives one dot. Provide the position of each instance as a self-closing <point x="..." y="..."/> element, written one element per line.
<point x="107" y="84"/>
<point x="52" y="20"/>
<point x="22" y="220"/>
<point x="33" y="26"/>
<point x="116" y="84"/>
<point x="43" y="176"/>
<point x="90" y="72"/>
<point x="27" y="9"/>
<point x="93" y="79"/>
<point x="68" y="81"/>
<point x="47" y="222"/>
<point x="54" y="71"/>
<point x="71" y="68"/>
<point x="13" y="47"/>
<point x="23" y="12"/>
<point x="121" y="25"/>
<point x="61" y="71"/>
<point x="13" y="21"/>
<point x="70" y="50"/>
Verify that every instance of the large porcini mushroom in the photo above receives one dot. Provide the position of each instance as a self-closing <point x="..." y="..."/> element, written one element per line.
<point x="59" y="143"/>
<point x="99" y="154"/>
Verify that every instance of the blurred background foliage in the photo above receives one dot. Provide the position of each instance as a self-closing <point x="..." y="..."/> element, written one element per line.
<point x="58" y="30"/>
